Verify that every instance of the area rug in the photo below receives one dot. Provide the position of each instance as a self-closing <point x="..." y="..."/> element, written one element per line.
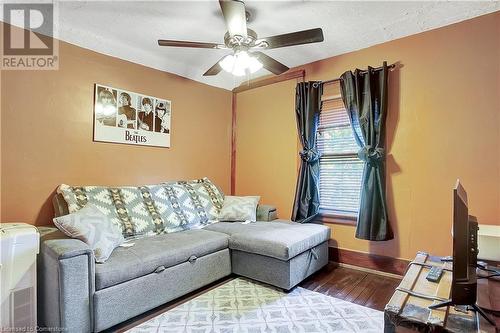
<point x="246" y="306"/>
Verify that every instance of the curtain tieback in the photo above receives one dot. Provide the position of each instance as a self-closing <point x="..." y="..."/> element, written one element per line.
<point x="309" y="155"/>
<point x="371" y="155"/>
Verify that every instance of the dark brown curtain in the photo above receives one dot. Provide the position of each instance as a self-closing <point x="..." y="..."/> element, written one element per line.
<point x="307" y="108"/>
<point x="365" y="98"/>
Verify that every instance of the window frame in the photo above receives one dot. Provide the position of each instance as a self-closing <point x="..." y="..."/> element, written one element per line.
<point x="333" y="216"/>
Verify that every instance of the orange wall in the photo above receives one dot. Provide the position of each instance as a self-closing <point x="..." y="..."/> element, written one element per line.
<point x="46" y="133"/>
<point x="443" y="124"/>
<point x="266" y="145"/>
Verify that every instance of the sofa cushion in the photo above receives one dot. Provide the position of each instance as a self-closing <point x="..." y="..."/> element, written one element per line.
<point x="239" y="209"/>
<point x="205" y="193"/>
<point x="150" y="209"/>
<point x="278" y="239"/>
<point x="93" y="228"/>
<point x="148" y="254"/>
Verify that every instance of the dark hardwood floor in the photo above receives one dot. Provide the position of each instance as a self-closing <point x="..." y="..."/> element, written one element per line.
<point x="367" y="289"/>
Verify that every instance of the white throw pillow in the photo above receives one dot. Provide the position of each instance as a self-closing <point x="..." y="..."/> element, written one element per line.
<point x="237" y="209"/>
<point x="94" y="228"/>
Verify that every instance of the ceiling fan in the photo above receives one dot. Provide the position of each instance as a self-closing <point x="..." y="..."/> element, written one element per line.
<point x="245" y="44"/>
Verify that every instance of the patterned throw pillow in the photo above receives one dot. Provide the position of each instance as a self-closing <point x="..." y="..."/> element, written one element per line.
<point x="151" y="209"/>
<point x="94" y="228"/>
<point x="237" y="209"/>
<point x="195" y="203"/>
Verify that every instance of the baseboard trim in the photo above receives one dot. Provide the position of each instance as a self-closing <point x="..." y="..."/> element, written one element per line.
<point x="370" y="261"/>
<point x="369" y="270"/>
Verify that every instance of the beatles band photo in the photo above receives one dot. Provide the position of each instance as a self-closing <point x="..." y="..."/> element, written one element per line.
<point x="129" y="111"/>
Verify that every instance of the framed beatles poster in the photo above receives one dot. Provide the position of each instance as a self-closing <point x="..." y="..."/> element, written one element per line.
<point x="122" y="116"/>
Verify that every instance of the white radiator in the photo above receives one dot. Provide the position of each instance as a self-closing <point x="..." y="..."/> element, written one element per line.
<point x="19" y="245"/>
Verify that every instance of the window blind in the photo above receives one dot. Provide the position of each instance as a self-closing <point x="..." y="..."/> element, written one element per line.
<point x="340" y="169"/>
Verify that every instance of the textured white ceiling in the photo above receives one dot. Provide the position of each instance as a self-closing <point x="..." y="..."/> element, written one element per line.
<point x="130" y="30"/>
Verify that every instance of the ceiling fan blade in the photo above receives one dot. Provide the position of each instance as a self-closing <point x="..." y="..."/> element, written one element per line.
<point x="235" y="17"/>
<point x="294" y="38"/>
<point x="214" y="70"/>
<point x="272" y="65"/>
<point x="180" y="43"/>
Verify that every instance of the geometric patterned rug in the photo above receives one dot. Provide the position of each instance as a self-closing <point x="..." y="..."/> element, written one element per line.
<point x="247" y="306"/>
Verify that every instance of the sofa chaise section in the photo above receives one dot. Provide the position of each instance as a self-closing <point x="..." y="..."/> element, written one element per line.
<point x="280" y="252"/>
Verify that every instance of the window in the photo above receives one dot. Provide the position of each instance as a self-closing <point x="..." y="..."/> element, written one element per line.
<point x="340" y="168"/>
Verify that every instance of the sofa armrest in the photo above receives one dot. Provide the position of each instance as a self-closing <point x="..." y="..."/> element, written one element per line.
<point x="266" y="213"/>
<point x="66" y="283"/>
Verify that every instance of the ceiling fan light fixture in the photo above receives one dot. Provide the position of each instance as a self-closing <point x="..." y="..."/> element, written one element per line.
<point x="227" y="63"/>
<point x="240" y="63"/>
<point x="254" y="64"/>
<point x="238" y="71"/>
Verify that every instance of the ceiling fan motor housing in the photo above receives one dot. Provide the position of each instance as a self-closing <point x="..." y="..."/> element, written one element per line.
<point x="238" y="42"/>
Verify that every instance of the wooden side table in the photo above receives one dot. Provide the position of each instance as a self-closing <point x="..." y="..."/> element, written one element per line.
<point x="408" y="308"/>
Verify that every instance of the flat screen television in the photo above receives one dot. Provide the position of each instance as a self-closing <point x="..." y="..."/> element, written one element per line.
<point x="464" y="281"/>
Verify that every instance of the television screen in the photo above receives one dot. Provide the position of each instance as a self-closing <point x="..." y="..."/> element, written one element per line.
<point x="464" y="283"/>
<point x="460" y="234"/>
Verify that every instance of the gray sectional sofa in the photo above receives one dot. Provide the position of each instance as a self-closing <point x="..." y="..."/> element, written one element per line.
<point x="78" y="295"/>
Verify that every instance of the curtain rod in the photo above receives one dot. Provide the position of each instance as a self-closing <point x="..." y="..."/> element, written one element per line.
<point x="377" y="69"/>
